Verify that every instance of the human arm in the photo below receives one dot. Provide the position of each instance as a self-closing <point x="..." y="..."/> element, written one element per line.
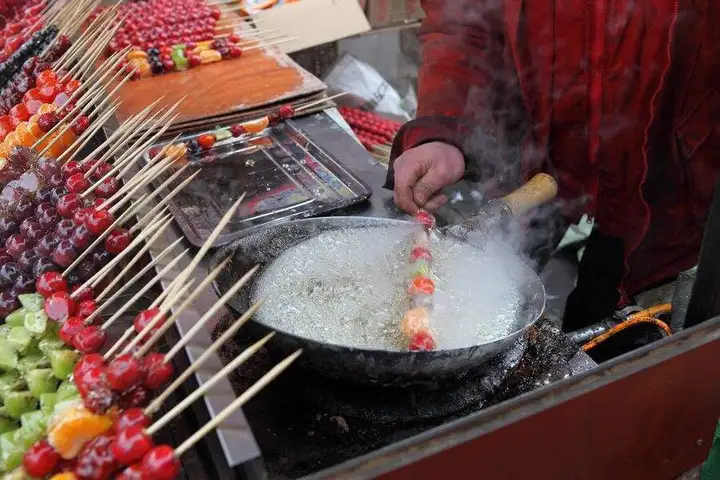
<point x="460" y="40"/>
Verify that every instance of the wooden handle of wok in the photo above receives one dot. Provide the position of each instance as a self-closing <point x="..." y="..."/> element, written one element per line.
<point x="539" y="189"/>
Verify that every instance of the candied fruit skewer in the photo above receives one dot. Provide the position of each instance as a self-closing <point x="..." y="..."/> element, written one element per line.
<point x="156" y="323"/>
<point x="162" y="462"/>
<point x="138" y="123"/>
<point x="133" y="441"/>
<point x="122" y="219"/>
<point x="159" y="316"/>
<point x="207" y="353"/>
<point x="120" y="136"/>
<point x="84" y="106"/>
<point x="158" y="226"/>
<point x="86" y="89"/>
<point x="416" y="322"/>
<point x="207" y="316"/>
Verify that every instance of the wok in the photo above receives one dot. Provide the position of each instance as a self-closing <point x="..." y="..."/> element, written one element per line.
<point x="367" y="366"/>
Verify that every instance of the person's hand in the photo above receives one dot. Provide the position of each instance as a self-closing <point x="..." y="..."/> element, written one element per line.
<point x="422" y="171"/>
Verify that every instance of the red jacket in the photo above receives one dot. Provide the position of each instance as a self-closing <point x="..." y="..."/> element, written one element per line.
<point x="618" y="99"/>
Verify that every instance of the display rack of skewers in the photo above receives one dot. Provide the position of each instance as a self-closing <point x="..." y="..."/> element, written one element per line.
<point x="169" y="36"/>
<point x="375" y="132"/>
<point x="73" y="405"/>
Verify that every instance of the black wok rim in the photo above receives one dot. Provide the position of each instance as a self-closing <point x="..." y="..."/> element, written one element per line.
<point x="229" y="249"/>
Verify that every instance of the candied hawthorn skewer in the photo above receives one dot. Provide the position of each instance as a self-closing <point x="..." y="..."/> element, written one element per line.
<point x="162" y="462"/>
<point x="416" y="322"/>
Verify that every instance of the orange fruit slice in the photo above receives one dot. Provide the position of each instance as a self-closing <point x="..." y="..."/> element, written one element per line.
<point x="69" y="431"/>
<point x="57" y="148"/>
<point x="25" y="137"/>
<point x="68" y="138"/>
<point x="4" y="151"/>
<point x="136" y="54"/>
<point x="35" y="129"/>
<point x="64" y="476"/>
<point x="12" y="140"/>
<point x="256" y="126"/>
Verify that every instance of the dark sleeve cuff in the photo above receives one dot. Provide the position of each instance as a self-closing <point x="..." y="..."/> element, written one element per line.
<point x="417" y="132"/>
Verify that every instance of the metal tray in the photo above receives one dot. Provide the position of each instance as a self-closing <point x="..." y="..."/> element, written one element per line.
<point x="288" y="177"/>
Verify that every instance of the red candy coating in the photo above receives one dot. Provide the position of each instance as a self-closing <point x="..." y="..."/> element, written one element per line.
<point x="70" y="328"/>
<point x="130" y="418"/>
<point x="40" y="460"/>
<point x="49" y="283"/>
<point x="89" y="340"/>
<point x="422" y="342"/>
<point x="157" y="371"/>
<point x="206" y="141"/>
<point x="80" y="296"/>
<point x="90" y="377"/>
<point x="87" y="362"/>
<point x="59" y="306"/>
<point x="86" y="308"/>
<point x="133" y="472"/>
<point x="96" y="460"/>
<point x="117" y="241"/>
<point x="99" y="221"/>
<point x="420" y="253"/>
<point x="425" y="218"/>
<point x="81" y="124"/>
<point x="160" y="463"/>
<point x="131" y="444"/>
<point x="68" y="204"/>
<point x="144" y="318"/>
<point x="124" y="372"/>
<point x="77" y="183"/>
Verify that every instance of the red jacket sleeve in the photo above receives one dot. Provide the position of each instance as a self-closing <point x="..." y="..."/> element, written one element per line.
<point x="458" y="40"/>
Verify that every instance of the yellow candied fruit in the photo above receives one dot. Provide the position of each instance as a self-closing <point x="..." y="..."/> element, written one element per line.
<point x="69" y="432"/>
<point x="203" y="46"/>
<point x="210" y="56"/>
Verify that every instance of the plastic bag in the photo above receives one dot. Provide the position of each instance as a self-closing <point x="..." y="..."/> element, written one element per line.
<point x="367" y="89"/>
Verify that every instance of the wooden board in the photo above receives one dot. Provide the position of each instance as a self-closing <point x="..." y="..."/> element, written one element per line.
<point x="259" y="78"/>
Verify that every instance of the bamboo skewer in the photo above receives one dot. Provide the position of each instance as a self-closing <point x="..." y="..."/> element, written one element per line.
<point x="135" y="278"/>
<point x="146" y="180"/>
<point x="163" y="311"/>
<point x="118" y="135"/>
<point x="141" y="292"/>
<point x="165" y="200"/>
<point x="165" y="306"/>
<point x="198" y="392"/>
<point x="138" y="256"/>
<point x="319" y="102"/>
<point x="211" y="312"/>
<point x="207" y="353"/>
<point x="199" y="290"/>
<point x="103" y="271"/>
<point x="211" y="239"/>
<point x="237" y="403"/>
<point x="133" y="154"/>
<point x="86" y="87"/>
